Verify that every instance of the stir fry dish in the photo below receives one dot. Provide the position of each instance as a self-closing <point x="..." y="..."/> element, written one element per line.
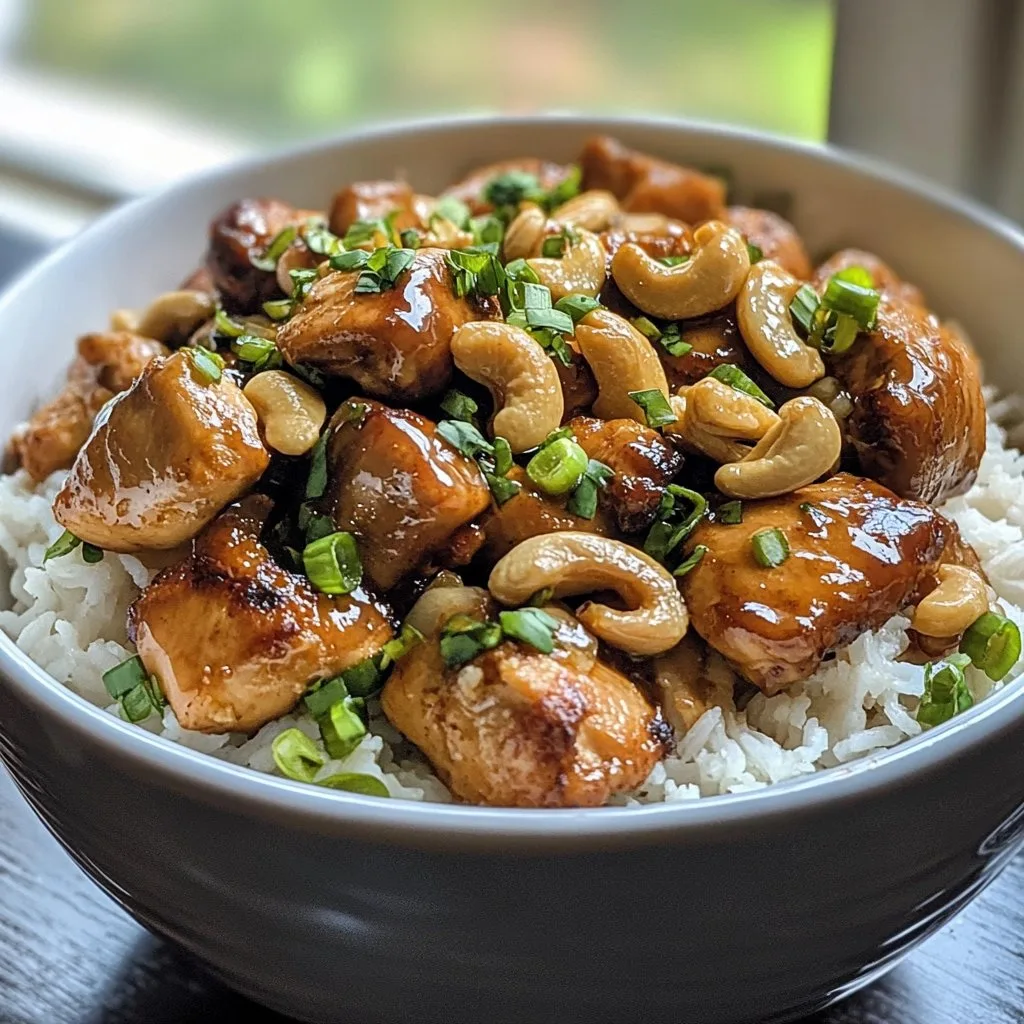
<point x="522" y="477"/>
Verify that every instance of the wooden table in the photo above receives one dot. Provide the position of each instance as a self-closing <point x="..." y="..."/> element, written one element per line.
<point x="68" y="955"/>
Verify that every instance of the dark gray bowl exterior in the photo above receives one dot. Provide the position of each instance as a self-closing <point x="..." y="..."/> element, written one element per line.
<point x="336" y="908"/>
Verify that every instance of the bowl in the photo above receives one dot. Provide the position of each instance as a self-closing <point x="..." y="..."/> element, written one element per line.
<point x="335" y="907"/>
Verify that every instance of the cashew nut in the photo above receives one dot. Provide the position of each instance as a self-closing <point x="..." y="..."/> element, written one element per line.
<point x="439" y="604"/>
<point x="804" y="445"/>
<point x="520" y="375"/>
<point x="709" y="280"/>
<point x="124" y="320"/>
<point x="762" y="310"/>
<point x="645" y="223"/>
<point x="577" y="563"/>
<point x="679" y="676"/>
<point x="581" y="270"/>
<point x="830" y="393"/>
<point x="289" y="410"/>
<point x="960" y="598"/>
<point x="712" y="418"/>
<point x="525" y="234"/>
<point x="174" y="314"/>
<point x="295" y="257"/>
<point x="594" y="210"/>
<point x="622" y="360"/>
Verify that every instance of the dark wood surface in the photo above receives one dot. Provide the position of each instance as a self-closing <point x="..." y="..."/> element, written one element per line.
<point x="68" y="955"/>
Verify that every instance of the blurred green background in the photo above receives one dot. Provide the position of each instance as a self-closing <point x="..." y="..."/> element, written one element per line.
<point x="275" y="70"/>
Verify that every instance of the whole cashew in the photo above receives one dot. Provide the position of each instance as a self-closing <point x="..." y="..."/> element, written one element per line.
<point x="762" y="310"/>
<point x="801" y="447"/>
<point x="622" y="360"/>
<point x="709" y="280"/>
<point x="830" y="393"/>
<point x="290" y="412"/>
<point x="525" y="234"/>
<point x="520" y="375"/>
<point x="960" y="599"/>
<point x="594" y="210"/>
<point x="174" y="313"/>
<point x="295" y="257"/>
<point x="577" y="563"/>
<point x="580" y="271"/>
<point x="439" y="604"/>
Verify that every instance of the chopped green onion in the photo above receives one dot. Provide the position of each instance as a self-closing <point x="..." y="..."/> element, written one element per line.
<point x="671" y="340"/>
<point x="341" y="729"/>
<point x="450" y="208"/>
<point x="223" y="324"/>
<point x="804" y="307"/>
<point x="296" y="755"/>
<point x="348" y="261"/>
<point x="319" y="239"/>
<point x="261" y="352"/>
<point x="840" y="334"/>
<point x="856" y="275"/>
<point x="945" y="690"/>
<point x="657" y="410"/>
<point x="555" y="246"/>
<point x="487" y="230"/>
<point x="672" y="261"/>
<point x="63" y="545"/>
<point x="730" y="513"/>
<point x="275" y="250"/>
<point x="365" y="678"/>
<point x="647" y="327"/>
<point x="691" y="562"/>
<point x="410" y="238"/>
<point x="91" y="554"/>
<point x="141" y="702"/>
<point x="503" y="460"/>
<point x="771" y="548"/>
<point x="465" y="438"/>
<point x="460" y="406"/>
<point x="463" y="638"/>
<point x="566" y="189"/>
<point x="501" y="487"/>
<point x="362" y="231"/>
<point x="332" y="563"/>
<point x="577" y="306"/>
<point x="207" y="364"/>
<point x="583" y="502"/>
<point x="383" y="269"/>
<point x="351" y="411"/>
<point x="675" y="521"/>
<point x="475" y="272"/>
<point x="125" y="677"/>
<point x="316" y="483"/>
<point x="279" y="309"/>
<point x="557" y="468"/>
<point x="732" y="375"/>
<point x="355" y="782"/>
<point x="511" y="188"/>
<point x="993" y="643"/>
<point x="317" y="526"/>
<point x="755" y="252"/>
<point x="325" y="695"/>
<point x="854" y="300"/>
<point x="541" y="597"/>
<point x="398" y="647"/>
<point x="531" y="625"/>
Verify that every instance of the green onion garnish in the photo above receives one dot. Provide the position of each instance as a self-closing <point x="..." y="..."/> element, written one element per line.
<point x="362" y="231"/>
<point x="511" y="188"/>
<point x="141" y="702"/>
<point x="125" y="677"/>
<point x="296" y="756"/>
<point x="558" y="467"/>
<point x="460" y="406"/>
<point x="223" y="324"/>
<point x="332" y="563"/>
<point x="396" y="648"/>
<point x="261" y="352"/>
<point x="691" y="562"/>
<point x="316" y="483"/>
<point x="672" y="342"/>
<point x="678" y="515"/>
<point x="993" y="644"/>
<point x="732" y="375"/>
<point x="755" y="252"/>
<point x="730" y="513"/>
<point x="503" y="460"/>
<point x="502" y="488"/>
<point x="383" y="269"/>
<point x="583" y="502"/>
<point x="532" y="626"/>
<point x="945" y="690"/>
<point x="91" y="554"/>
<point x="566" y="189"/>
<point x="854" y="300"/>
<point x="63" y="545"/>
<point x="410" y="239"/>
<point x="132" y="687"/>
<point x="475" y="272"/>
<point x="487" y="230"/>
<point x="356" y="259"/>
<point x="577" y="306"/>
<point x="464" y="438"/>
<point x="771" y="548"/>
<point x="319" y="239"/>
<point x="555" y="246"/>
<point x="672" y="261"/>
<point x="355" y="782"/>
<point x="341" y="729"/>
<point x="450" y="208"/>
<point x="206" y="363"/>
<point x="325" y="695"/>
<point x="804" y="306"/>
<point x="463" y="638"/>
<point x="657" y="410"/>
<point x="275" y="250"/>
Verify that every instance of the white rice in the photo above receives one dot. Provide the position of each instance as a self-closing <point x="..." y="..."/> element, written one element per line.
<point x="69" y="617"/>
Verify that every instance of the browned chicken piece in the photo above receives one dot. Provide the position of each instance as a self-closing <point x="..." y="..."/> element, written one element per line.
<point x="106" y="364"/>
<point x="918" y="421"/>
<point x="162" y="460"/>
<point x="235" y="640"/>
<point x="532" y="513"/>
<point x="645" y="184"/>
<point x="579" y="388"/>
<point x="774" y="236"/>
<point x="395" y="344"/>
<point x="715" y="340"/>
<point x="643" y="462"/>
<point x="858" y="554"/>
<point x="200" y="280"/>
<point x="886" y="280"/>
<point x="517" y="728"/>
<point x="373" y="200"/>
<point x="238" y="235"/>
<point x="470" y="190"/>
<point x="397" y="485"/>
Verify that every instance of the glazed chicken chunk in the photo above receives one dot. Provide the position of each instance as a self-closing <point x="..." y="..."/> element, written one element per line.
<point x="373" y="200"/>
<point x="234" y="640"/>
<point x="398" y="486"/>
<point x="395" y="344"/>
<point x="517" y="728"/>
<point x="106" y="364"/>
<point x="858" y="555"/>
<point x="164" y="458"/>
<point x="470" y="190"/>
<point x="774" y="236"/>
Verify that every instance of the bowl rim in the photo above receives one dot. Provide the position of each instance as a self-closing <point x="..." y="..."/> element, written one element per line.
<point x="240" y="788"/>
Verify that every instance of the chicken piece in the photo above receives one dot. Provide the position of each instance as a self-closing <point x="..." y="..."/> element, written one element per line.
<point x="645" y="184"/>
<point x="517" y="728"/>
<point x="238" y="235"/>
<point x="644" y="464"/>
<point x="532" y="513"/>
<point x="715" y="340"/>
<point x="918" y="421"/>
<point x="470" y="190"/>
<point x="374" y="200"/>
<point x="395" y="344"/>
<point x="235" y="640"/>
<point x="398" y="486"/>
<point x="774" y="236"/>
<point x="165" y="457"/>
<point x="858" y="554"/>
<point x="106" y="364"/>
<point x="886" y="280"/>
